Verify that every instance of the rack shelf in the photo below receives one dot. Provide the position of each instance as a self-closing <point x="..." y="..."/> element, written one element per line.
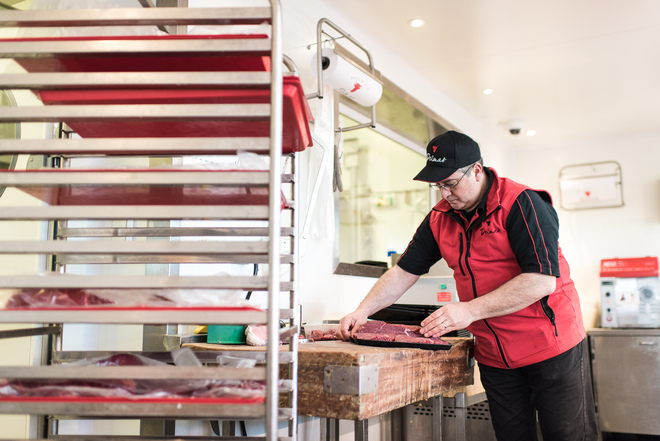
<point x="150" y="282"/>
<point x="178" y="409"/>
<point x="128" y="16"/>
<point x="135" y="146"/>
<point x="155" y="316"/>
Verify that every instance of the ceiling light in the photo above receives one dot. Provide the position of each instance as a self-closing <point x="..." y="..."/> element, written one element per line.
<point x="487" y="91"/>
<point x="530" y="132"/>
<point x="416" y="22"/>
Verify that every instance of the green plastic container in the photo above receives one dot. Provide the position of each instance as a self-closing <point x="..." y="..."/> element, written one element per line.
<point x="226" y="334"/>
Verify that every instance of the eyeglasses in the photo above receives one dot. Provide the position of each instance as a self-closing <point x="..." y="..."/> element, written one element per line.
<point x="450" y="187"/>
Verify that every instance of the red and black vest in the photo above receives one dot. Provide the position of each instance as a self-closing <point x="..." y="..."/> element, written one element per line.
<point x="482" y="259"/>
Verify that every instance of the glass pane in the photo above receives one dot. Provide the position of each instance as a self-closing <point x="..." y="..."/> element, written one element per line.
<point x="7" y="131"/>
<point x="381" y="206"/>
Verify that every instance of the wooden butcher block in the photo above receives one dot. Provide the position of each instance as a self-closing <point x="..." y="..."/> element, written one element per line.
<point x="404" y="376"/>
<point x="343" y="380"/>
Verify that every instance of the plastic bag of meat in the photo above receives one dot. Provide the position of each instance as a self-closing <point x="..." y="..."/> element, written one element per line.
<point x="257" y="335"/>
<point x="128" y="388"/>
<point x="28" y="298"/>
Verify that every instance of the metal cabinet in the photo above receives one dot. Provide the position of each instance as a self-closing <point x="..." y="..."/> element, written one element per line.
<point x="178" y="64"/>
<point x="626" y="376"/>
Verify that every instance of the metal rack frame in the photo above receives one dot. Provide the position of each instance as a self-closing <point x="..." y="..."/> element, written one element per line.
<point x="106" y="251"/>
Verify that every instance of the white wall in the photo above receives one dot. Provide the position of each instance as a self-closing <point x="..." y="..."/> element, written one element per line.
<point x="587" y="236"/>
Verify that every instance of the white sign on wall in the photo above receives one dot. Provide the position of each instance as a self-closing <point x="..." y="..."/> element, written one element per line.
<point x="593" y="185"/>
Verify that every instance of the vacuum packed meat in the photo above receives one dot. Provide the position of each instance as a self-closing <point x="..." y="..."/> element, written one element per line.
<point x="51" y="298"/>
<point x="54" y="297"/>
<point x="127" y="388"/>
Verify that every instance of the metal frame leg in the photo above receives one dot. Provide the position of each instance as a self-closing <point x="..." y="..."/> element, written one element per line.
<point x="437" y="418"/>
<point x="329" y="429"/>
<point x="460" y="408"/>
<point x="361" y="430"/>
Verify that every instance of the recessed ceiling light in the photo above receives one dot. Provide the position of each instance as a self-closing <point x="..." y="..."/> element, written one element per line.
<point x="416" y="22"/>
<point x="487" y="91"/>
<point x="530" y="132"/>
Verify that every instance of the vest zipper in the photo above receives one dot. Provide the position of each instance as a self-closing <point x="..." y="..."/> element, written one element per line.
<point x="466" y="249"/>
<point x="548" y="311"/>
<point x="499" y="345"/>
<point x="474" y="292"/>
<point x="460" y="253"/>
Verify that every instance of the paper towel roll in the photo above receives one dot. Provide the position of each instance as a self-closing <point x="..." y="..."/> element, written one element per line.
<point x="348" y="79"/>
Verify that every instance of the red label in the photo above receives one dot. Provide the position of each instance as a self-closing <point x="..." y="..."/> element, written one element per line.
<point x="444" y="297"/>
<point x="629" y="267"/>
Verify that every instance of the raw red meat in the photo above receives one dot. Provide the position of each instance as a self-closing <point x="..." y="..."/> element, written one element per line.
<point x="319" y="335"/>
<point x="373" y="327"/>
<point x="53" y="297"/>
<point x="131" y="388"/>
<point x="376" y="337"/>
<point x="382" y="331"/>
<point x="409" y="339"/>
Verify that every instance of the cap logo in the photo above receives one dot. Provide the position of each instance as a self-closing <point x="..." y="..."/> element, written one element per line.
<point x="431" y="158"/>
<point x="435" y="147"/>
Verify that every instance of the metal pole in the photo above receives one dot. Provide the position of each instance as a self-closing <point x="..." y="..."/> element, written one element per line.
<point x="272" y="377"/>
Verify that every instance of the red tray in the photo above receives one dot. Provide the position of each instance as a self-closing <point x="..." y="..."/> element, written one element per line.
<point x="150" y="62"/>
<point x="111" y="400"/>
<point x="146" y="194"/>
<point x="296" y="133"/>
<point x="445" y="345"/>
<point x="296" y="114"/>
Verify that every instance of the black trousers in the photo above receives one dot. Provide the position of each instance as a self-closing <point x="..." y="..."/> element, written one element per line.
<point x="559" y="389"/>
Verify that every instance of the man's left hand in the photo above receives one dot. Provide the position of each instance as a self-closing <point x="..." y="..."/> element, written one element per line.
<point x="451" y="317"/>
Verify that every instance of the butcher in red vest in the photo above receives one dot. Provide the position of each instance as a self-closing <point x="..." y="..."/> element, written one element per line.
<point x="516" y="294"/>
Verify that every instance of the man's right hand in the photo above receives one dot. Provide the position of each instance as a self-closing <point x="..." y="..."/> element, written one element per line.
<point x="349" y="325"/>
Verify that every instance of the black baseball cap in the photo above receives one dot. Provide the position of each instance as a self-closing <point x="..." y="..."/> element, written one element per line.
<point x="447" y="153"/>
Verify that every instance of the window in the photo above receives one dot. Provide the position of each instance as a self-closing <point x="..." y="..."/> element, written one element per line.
<point x="381" y="206"/>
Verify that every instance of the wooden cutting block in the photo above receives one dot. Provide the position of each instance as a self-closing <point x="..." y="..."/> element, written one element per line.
<point x="343" y="380"/>
<point x="346" y="381"/>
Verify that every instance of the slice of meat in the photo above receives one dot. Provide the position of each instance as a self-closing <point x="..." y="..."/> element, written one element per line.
<point x="315" y="334"/>
<point x="394" y="329"/>
<point x="418" y="340"/>
<point x="330" y="334"/>
<point x="373" y="327"/>
<point x="372" y="336"/>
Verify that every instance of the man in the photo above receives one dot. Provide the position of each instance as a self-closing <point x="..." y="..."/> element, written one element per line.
<point x="516" y="295"/>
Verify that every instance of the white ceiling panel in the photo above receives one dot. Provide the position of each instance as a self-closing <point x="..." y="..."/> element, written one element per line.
<point x="571" y="70"/>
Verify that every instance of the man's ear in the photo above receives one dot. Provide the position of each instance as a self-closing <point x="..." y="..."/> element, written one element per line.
<point x="478" y="171"/>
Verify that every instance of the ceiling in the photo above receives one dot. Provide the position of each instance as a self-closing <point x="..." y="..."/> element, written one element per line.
<point x="573" y="71"/>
